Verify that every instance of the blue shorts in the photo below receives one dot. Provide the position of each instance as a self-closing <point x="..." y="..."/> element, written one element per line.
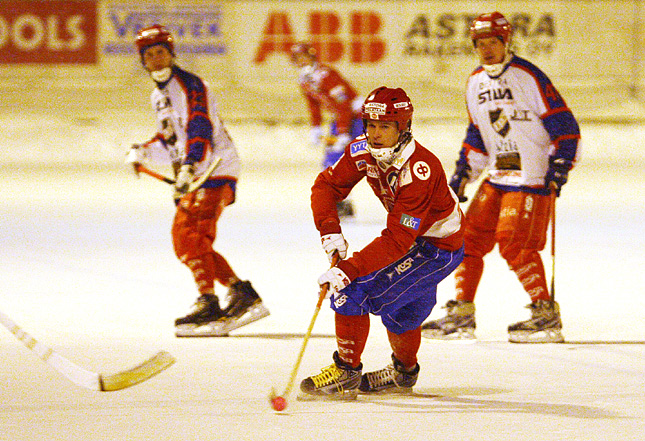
<point x="404" y="292"/>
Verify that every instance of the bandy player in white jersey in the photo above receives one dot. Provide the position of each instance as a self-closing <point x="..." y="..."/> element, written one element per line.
<point x="522" y="132"/>
<point x="191" y="136"/>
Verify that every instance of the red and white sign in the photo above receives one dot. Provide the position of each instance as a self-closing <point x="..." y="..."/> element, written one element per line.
<point x="49" y="32"/>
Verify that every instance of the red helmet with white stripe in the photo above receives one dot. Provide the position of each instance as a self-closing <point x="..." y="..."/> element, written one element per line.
<point x="155" y="34"/>
<point x="386" y="104"/>
<point x="491" y="24"/>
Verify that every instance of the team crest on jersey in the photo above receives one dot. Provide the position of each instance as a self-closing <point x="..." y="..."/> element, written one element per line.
<point x="372" y="171"/>
<point x="358" y="147"/>
<point x="421" y="170"/>
<point x="499" y="121"/>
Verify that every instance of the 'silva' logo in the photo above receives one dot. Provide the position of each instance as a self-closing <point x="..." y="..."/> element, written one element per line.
<point x="410" y="222"/>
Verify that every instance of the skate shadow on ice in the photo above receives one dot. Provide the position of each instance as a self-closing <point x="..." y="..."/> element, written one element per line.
<point x="462" y="400"/>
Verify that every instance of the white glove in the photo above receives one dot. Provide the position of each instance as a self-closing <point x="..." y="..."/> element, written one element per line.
<point x="315" y="136"/>
<point x="332" y="243"/>
<point x="337" y="280"/>
<point x="341" y="142"/>
<point x="135" y="155"/>
<point x="184" y="178"/>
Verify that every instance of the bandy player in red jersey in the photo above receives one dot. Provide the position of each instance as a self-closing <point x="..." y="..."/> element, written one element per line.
<point x="190" y="137"/>
<point x="324" y="88"/>
<point x="522" y="131"/>
<point x="396" y="275"/>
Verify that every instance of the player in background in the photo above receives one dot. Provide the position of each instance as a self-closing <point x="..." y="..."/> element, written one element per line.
<point x="325" y="89"/>
<point x="522" y="131"/>
<point x="190" y="137"/>
<point x="396" y="275"/>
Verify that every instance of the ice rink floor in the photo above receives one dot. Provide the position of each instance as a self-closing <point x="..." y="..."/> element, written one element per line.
<point x="87" y="268"/>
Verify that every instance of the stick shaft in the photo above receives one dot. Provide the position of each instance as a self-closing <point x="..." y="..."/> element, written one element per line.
<point x="140" y="168"/>
<point x="305" y="340"/>
<point x="553" y="198"/>
<point x="321" y="297"/>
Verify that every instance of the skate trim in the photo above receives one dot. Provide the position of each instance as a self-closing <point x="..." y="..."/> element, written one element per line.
<point x="544" y="336"/>
<point x="458" y="334"/>
<point x="346" y="395"/>
<point x="254" y="313"/>
<point x="218" y="328"/>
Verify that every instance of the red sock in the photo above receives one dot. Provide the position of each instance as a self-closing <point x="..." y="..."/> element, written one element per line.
<point x="351" y="336"/>
<point x="406" y="346"/>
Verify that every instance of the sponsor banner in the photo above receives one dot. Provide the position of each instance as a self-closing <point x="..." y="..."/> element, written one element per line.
<point x="48" y="32"/>
<point x="196" y="27"/>
<point x="422" y="40"/>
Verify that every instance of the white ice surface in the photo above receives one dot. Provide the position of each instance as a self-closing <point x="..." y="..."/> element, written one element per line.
<point x="87" y="268"/>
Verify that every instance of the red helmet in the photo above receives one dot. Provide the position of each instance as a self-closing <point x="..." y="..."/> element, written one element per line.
<point x="302" y="49"/>
<point x="385" y="104"/>
<point x="492" y="24"/>
<point x="155" y="34"/>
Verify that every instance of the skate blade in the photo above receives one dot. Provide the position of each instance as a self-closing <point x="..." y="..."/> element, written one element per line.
<point x="217" y="328"/>
<point x="253" y="314"/>
<point x="457" y="336"/>
<point x="346" y="396"/>
<point x="397" y="391"/>
<point x="547" y="336"/>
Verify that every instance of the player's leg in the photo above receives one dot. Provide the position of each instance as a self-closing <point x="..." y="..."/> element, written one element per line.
<point x="479" y="239"/>
<point x="193" y="233"/>
<point x="521" y="236"/>
<point x="340" y="380"/>
<point x="406" y="302"/>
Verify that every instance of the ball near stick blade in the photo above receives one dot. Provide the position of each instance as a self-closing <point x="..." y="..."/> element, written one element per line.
<point x="277" y="402"/>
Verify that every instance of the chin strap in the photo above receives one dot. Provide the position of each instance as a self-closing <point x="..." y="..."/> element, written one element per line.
<point x="495" y="70"/>
<point x="161" y="76"/>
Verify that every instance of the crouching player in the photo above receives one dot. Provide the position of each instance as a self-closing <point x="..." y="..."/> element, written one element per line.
<point x="396" y="275"/>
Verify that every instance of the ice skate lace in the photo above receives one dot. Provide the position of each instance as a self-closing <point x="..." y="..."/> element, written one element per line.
<point x="382" y="377"/>
<point x="329" y="375"/>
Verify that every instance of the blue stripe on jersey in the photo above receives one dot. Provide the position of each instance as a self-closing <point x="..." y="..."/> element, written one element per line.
<point x="199" y="126"/>
<point x="559" y="122"/>
<point x="474" y="138"/>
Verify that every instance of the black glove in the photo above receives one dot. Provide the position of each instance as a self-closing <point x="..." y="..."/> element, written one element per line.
<point x="557" y="174"/>
<point x="459" y="179"/>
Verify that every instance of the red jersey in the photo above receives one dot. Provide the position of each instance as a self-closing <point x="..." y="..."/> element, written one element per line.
<point x="325" y="88"/>
<point x="414" y="192"/>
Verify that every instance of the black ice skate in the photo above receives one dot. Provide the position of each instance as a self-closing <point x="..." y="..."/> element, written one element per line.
<point x="206" y="319"/>
<point x="244" y="305"/>
<point x="459" y="322"/>
<point x="544" y="326"/>
<point x="393" y="379"/>
<point x="338" y="381"/>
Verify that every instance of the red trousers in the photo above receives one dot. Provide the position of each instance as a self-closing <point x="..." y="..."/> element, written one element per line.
<point x="517" y="222"/>
<point x="193" y="232"/>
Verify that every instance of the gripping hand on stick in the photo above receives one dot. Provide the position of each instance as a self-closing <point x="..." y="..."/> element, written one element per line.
<point x="336" y="279"/>
<point x="459" y="179"/>
<point x="557" y="174"/>
<point x="135" y="156"/>
<point x="184" y="178"/>
<point x="333" y="243"/>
